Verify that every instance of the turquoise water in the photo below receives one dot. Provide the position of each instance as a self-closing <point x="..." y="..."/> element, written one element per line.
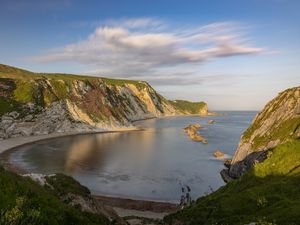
<point x="149" y="164"/>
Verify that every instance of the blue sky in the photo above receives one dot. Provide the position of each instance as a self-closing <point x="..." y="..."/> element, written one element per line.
<point x="235" y="54"/>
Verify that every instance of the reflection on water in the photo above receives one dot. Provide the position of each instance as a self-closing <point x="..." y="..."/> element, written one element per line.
<point x="148" y="164"/>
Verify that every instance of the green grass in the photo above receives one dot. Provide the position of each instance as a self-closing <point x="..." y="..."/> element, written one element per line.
<point x="268" y="194"/>
<point x="5" y="106"/>
<point x="22" y="201"/>
<point x="16" y="73"/>
<point x="191" y="107"/>
<point x="281" y="130"/>
<point x="44" y="89"/>
<point x="63" y="185"/>
<point x="60" y="88"/>
<point x="119" y="82"/>
<point x="24" y="92"/>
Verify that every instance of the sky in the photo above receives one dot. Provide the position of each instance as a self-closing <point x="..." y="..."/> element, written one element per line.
<point x="232" y="54"/>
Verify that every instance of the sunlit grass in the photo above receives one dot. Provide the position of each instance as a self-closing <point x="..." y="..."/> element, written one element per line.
<point x="268" y="194"/>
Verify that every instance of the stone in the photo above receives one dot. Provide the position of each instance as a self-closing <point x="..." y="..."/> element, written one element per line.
<point x="14" y="114"/>
<point x="28" y="118"/>
<point x="211" y="121"/>
<point x="218" y="154"/>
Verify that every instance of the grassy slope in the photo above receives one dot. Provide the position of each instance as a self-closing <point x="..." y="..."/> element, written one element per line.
<point x="26" y="90"/>
<point x="22" y="201"/>
<point x="192" y="107"/>
<point x="281" y="131"/>
<point x="268" y="194"/>
<point x="16" y="73"/>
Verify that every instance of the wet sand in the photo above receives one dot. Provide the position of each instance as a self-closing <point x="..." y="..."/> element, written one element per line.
<point x="141" y="205"/>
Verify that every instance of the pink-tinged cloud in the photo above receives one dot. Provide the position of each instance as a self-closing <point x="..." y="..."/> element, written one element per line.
<point x="144" y="45"/>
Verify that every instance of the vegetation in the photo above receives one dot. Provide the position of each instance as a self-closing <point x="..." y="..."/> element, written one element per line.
<point x="23" y="201"/>
<point x="16" y="73"/>
<point x="62" y="185"/>
<point x="25" y="92"/>
<point x="5" y="106"/>
<point x="268" y="194"/>
<point x="191" y="107"/>
<point x="25" y="86"/>
<point x="119" y="82"/>
<point x="45" y="88"/>
<point x="283" y="129"/>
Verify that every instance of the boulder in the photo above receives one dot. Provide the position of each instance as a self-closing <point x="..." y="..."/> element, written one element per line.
<point x="211" y="121"/>
<point x="218" y="154"/>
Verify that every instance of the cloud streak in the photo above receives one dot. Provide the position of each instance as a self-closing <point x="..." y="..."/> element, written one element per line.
<point x="145" y="46"/>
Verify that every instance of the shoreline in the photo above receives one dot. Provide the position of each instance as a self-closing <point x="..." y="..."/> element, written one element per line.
<point x="125" y="206"/>
<point x="11" y="143"/>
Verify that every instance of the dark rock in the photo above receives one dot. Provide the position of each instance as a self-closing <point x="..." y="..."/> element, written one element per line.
<point x="225" y="175"/>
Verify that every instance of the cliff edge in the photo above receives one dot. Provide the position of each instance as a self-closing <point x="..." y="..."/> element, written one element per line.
<point x="40" y="103"/>
<point x="277" y="123"/>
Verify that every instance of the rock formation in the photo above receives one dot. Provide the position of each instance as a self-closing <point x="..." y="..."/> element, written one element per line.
<point x="211" y="121"/>
<point x="278" y="122"/>
<point x="38" y="103"/>
<point x="218" y="154"/>
<point x="192" y="131"/>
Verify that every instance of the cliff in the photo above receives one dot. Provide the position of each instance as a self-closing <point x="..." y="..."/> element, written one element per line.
<point x="277" y="123"/>
<point x="267" y="163"/>
<point x="267" y="194"/>
<point x="39" y="103"/>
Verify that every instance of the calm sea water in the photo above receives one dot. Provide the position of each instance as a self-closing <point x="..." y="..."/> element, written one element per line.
<point x="150" y="164"/>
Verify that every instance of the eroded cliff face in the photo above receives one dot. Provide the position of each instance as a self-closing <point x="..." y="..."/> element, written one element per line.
<point x="278" y="122"/>
<point x="33" y="103"/>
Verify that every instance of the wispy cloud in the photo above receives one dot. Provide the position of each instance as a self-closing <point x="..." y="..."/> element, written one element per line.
<point x="146" y="47"/>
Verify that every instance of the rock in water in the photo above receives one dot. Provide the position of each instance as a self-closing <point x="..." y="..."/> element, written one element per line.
<point x="211" y="121"/>
<point x="192" y="131"/>
<point x="218" y="154"/>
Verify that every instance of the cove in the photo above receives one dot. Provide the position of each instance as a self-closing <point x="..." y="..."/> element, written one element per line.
<point x="152" y="164"/>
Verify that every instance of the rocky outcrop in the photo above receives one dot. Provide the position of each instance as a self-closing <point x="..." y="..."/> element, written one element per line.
<point x="192" y="131"/>
<point x="38" y="121"/>
<point x="34" y="103"/>
<point x="278" y="122"/>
